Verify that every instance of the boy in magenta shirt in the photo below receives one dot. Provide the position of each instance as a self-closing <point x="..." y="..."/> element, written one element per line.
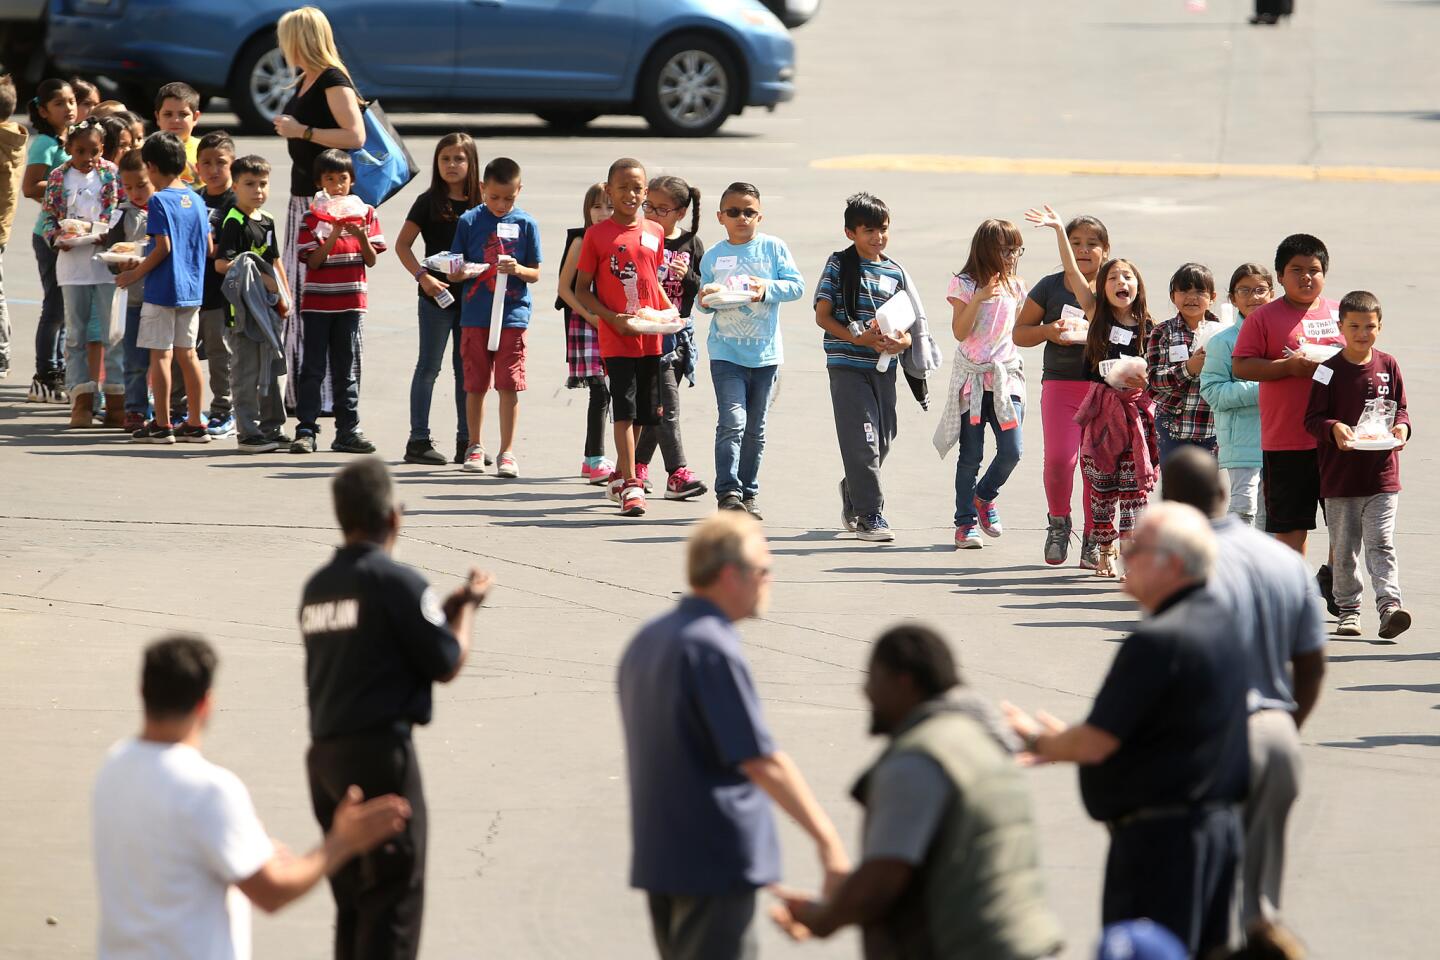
<point x="621" y="256"/>
<point x="1268" y="350"/>
<point x="1361" y="487"/>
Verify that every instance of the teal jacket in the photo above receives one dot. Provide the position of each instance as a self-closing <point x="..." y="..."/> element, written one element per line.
<point x="1235" y="403"/>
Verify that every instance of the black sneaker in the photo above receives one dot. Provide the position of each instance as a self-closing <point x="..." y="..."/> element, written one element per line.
<point x="461" y="445"/>
<point x="1325" y="580"/>
<point x="153" y="432"/>
<point x="280" y="437"/>
<point x="189" y="434"/>
<point x="304" y="442"/>
<point x="257" y="445"/>
<point x="423" y="451"/>
<point x="731" y="501"/>
<point x="352" y="443"/>
<point x="753" y="506"/>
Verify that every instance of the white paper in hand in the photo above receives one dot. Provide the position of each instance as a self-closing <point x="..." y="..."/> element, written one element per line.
<point x="895" y="315"/>
<point x="497" y="310"/>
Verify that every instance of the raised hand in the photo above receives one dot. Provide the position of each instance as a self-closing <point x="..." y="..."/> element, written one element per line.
<point x="1045" y="217"/>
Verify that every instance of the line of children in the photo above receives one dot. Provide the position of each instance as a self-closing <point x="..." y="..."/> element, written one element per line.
<point x="987" y="382"/>
<point x="1174" y="364"/>
<point x="667" y="202"/>
<point x="507" y="240"/>
<point x="1064" y="383"/>
<point x="12" y="168"/>
<point x="583" y="365"/>
<point x="1361" y="487"/>
<point x="81" y="197"/>
<point x="454" y="189"/>
<point x="617" y="276"/>
<point x="1235" y="403"/>
<point x="744" y="341"/>
<point x="332" y="310"/>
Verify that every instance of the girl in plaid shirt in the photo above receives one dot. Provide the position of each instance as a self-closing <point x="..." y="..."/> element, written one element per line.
<point x="582" y="343"/>
<point x="1181" y="414"/>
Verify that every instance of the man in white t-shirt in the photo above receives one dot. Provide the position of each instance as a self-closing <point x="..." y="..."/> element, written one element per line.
<point x="179" y="852"/>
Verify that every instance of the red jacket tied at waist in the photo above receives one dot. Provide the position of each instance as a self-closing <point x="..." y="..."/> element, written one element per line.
<point x="1114" y="421"/>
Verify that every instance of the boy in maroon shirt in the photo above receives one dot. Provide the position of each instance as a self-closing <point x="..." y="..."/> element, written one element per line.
<point x="1361" y="487"/>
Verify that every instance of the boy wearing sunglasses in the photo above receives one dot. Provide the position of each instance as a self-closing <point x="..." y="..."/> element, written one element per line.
<point x="744" y="278"/>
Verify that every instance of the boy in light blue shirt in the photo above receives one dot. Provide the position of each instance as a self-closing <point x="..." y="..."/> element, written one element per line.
<point x="744" y="341"/>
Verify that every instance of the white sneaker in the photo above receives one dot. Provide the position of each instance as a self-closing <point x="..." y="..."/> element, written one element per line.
<point x="474" y="459"/>
<point x="506" y="466"/>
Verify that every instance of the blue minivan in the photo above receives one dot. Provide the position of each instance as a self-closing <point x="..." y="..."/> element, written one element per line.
<point x="685" y="65"/>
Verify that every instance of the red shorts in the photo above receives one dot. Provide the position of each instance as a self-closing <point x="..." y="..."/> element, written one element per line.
<point x="506" y="365"/>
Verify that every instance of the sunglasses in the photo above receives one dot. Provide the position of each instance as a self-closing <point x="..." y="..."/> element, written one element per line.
<point x="741" y="213"/>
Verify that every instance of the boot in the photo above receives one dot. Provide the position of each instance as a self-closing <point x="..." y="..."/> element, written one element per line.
<point x="115" y="411"/>
<point x="82" y="409"/>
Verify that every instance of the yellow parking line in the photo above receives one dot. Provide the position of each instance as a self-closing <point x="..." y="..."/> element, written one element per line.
<point x="1035" y="167"/>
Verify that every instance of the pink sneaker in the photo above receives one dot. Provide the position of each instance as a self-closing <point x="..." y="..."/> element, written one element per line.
<point x="683" y="485"/>
<point x="642" y="475"/>
<point x="632" y="501"/>
<point x="596" y="471"/>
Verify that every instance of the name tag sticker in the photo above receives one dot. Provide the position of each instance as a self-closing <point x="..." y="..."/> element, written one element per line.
<point x="1323" y="374"/>
<point x="1068" y="312"/>
<point x="1179" y="353"/>
<point x="650" y="241"/>
<point x="507" y="231"/>
<point x="1320" y="328"/>
<point x="1121" y="336"/>
<point x="887" y="285"/>
<point x="726" y="263"/>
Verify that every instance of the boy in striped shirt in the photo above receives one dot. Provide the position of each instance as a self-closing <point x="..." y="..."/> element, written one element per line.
<point x="333" y="309"/>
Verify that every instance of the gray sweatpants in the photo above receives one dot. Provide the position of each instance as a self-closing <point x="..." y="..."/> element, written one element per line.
<point x="259" y="404"/>
<point x="864" y="405"/>
<point x="1274" y="784"/>
<point x="212" y="334"/>
<point x="1367" y="522"/>
<point x="704" y="928"/>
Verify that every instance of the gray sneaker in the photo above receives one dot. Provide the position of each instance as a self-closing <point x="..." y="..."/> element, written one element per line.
<point x="1393" y="622"/>
<point x="753" y="506"/>
<point x="1057" y="540"/>
<point x="355" y="442"/>
<point x="1089" y="553"/>
<point x="1349" y="625"/>
<point x="304" y="442"/>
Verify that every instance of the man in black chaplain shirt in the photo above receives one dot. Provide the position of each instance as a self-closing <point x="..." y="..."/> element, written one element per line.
<point x="376" y="638"/>
<point x="1164" y="754"/>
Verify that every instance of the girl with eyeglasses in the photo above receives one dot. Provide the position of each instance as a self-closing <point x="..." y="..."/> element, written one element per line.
<point x="1236" y="403"/>
<point x="667" y="201"/>
<point x="987" y="382"/>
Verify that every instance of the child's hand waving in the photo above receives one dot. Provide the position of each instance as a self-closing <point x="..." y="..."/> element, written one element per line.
<point x="1045" y="217"/>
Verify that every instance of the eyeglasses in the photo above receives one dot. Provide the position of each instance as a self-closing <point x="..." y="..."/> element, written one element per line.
<point x="1259" y="291"/>
<point x="1014" y="251"/>
<point x="663" y="211"/>
<point x="740" y="213"/>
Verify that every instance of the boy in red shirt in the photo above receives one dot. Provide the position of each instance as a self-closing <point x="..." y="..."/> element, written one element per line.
<point x="332" y="309"/>
<point x="621" y="257"/>
<point x="1361" y="486"/>
<point x="1268" y="350"/>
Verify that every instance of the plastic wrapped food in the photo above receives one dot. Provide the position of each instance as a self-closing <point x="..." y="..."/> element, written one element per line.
<point x="735" y="290"/>
<point x="1318" y="352"/>
<point x="1376" y="421"/>
<point x="648" y="320"/>
<point x="74" y="228"/>
<point x="346" y="209"/>
<point x="1121" y="369"/>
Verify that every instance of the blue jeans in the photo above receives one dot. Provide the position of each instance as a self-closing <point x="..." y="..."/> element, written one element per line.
<point x="50" y="331"/>
<point x="332" y="338"/>
<point x="1169" y="444"/>
<point x="137" y="364"/>
<point x="436" y="325"/>
<point x="743" y="396"/>
<point x="1008" y="447"/>
<point x="85" y="304"/>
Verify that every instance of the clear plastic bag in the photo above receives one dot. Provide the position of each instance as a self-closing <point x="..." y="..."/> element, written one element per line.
<point x="1376" y="420"/>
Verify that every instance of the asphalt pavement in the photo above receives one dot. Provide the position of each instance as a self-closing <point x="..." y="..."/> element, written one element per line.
<point x="1205" y="140"/>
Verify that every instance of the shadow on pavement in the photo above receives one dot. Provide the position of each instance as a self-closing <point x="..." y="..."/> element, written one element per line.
<point x="1388" y="657"/>
<point x="1386" y="740"/>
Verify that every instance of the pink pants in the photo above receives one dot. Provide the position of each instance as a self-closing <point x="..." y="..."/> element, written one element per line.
<point x="1059" y="399"/>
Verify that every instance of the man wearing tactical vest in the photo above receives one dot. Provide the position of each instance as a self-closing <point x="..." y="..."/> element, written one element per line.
<point x="951" y="866"/>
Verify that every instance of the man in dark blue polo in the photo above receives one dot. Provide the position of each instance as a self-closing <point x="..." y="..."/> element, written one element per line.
<point x="702" y="761"/>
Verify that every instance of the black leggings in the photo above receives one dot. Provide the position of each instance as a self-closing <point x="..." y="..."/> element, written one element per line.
<point x="595" y="419"/>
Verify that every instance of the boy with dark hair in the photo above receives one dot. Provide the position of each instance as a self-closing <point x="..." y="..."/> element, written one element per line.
<point x="214" y="155"/>
<point x="334" y="303"/>
<point x="254" y="345"/>
<point x="174" y="285"/>
<point x="506" y="239"/>
<point x="1360" y="476"/>
<point x="177" y="110"/>
<point x="1268" y="349"/>
<point x="855" y="283"/>
<point x="12" y="168"/>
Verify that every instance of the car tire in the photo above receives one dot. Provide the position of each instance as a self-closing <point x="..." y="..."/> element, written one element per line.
<point x="258" y="87"/>
<point x="690" y="86"/>
<point x="564" y="119"/>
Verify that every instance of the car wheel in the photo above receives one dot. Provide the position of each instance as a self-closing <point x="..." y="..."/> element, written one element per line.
<point x="567" y="119"/>
<point x="261" y="85"/>
<point x="689" y="87"/>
